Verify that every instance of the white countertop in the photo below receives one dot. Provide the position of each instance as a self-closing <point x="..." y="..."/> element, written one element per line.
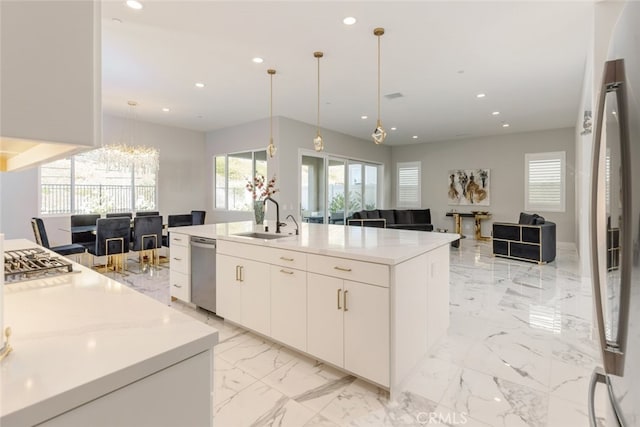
<point x="379" y="245"/>
<point x="78" y="336"/>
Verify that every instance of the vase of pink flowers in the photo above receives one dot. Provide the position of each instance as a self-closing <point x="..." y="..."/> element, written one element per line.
<point x="260" y="189"/>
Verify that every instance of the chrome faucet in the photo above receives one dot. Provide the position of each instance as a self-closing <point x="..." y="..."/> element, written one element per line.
<point x="294" y="220"/>
<point x="264" y="202"/>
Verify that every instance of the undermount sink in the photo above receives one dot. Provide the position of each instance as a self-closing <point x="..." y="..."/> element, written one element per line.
<point x="257" y="235"/>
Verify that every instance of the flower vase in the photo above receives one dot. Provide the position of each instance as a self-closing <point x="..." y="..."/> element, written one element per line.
<point x="258" y="211"/>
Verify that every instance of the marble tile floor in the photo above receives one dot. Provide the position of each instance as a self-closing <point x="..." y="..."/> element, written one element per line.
<point x="518" y="352"/>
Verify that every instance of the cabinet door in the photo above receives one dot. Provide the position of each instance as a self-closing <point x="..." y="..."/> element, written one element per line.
<point x="255" y="295"/>
<point x="366" y="331"/>
<point x="325" y="318"/>
<point x="228" y="289"/>
<point x="289" y="306"/>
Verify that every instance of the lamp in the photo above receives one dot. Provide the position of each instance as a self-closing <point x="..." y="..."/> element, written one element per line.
<point x="379" y="134"/>
<point x="123" y="154"/>
<point x="318" y="143"/>
<point x="271" y="149"/>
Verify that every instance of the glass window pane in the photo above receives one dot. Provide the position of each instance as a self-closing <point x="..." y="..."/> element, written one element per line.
<point x="144" y="180"/>
<point x="55" y="187"/>
<point x="312" y="189"/>
<point x="355" y="187"/>
<point x="261" y="163"/>
<point x="335" y="189"/>
<point x="101" y="187"/>
<point x="220" y="181"/>
<point x="370" y="187"/>
<point x="240" y="172"/>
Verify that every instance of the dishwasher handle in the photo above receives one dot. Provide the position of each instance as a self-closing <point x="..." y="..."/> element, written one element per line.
<point x="204" y="245"/>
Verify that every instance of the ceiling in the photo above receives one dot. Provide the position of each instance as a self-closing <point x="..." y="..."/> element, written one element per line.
<point x="527" y="57"/>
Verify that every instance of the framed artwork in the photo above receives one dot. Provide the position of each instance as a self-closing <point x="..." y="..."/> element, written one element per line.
<point x="469" y="187"/>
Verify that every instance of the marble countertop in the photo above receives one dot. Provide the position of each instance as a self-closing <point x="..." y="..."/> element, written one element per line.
<point x="80" y="335"/>
<point x="379" y="245"/>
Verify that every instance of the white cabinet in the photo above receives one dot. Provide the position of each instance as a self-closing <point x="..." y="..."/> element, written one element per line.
<point x="289" y="305"/>
<point x="243" y="292"/>
<point x="180" y="267"/>
<point x="348" y="321"/>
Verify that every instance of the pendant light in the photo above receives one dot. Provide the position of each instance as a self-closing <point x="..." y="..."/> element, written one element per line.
<point x="271" y="148"/>
<point x="379" y="134"/>
<point x="318" y="143"/>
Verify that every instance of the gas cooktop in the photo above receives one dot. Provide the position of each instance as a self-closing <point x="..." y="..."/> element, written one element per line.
<point x="33" y="263"/>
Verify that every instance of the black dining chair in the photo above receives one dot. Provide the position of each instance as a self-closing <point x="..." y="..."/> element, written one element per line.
<point x="147" y="237"/>
<point x="180" y="220"/>
<point x="86" y="238"/>
<point x="112" y="240"/>
<point x="197" y="217"/>
<point x="40" y="234"/>
<point x="119" y="214"/>
<point x="148" y="213"/>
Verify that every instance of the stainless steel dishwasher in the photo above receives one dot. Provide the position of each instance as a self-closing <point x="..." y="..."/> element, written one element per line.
<point x="203" y="272"/>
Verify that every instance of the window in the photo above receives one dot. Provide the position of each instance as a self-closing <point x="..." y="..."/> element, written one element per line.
<point x="232" y="171"/>
<point x="544" y="185"/>
<point x="408" y="190"/>
<point x="85" y="184"/>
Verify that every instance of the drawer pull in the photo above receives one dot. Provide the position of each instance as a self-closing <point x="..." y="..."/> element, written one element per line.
<point x="345" y="301"/>
<point x="241" y="273"/>
<point x="177" y="259"/>
<point x="177" y="286"/>
<point x="339" y="290"/>
<point x="177" y="240"/>
<point x="286" y="259"/>
<point x="342" y="268"/>
<point x="286" y="271"/>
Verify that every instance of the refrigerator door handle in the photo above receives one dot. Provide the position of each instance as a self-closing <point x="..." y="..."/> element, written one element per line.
<point x="597" y="376"/>
<point x="613" y="350"/>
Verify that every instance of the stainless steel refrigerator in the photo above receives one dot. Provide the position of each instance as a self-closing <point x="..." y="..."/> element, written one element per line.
<point x="615" y="225"/>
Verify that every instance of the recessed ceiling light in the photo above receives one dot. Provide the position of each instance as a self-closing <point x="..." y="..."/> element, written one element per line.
<point x="133" y="4"/>
<point x="505" y="125"/>
<point x="258" y="60"/>
<point x="364" y="117"/>
<point x="349" y="20"/>
<point x="481" y="95"/>
<point x="460" y="71"/>
<point x="200" y="85"/>
<point x="394" y="128"/>
<point x="495" y="113"/>
<point x="415" y="137"/>
<point x="614" y="113"/>
<point x="166" y="110"/>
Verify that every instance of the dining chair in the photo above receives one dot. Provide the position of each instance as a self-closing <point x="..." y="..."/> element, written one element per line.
<point x="112" y="240"/>
<point x="119" y="214"/>
<point x="148" y="213"/>
<point x="197" y="217"/>
<point x="40" y="234"/>
<point x="86" y="239"/>
<point x="147" y="232"/>
<point x="180" y="220"/>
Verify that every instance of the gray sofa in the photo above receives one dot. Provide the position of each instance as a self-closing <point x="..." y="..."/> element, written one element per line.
<point x="531" y="239"/>
<point x="406" y="219"/>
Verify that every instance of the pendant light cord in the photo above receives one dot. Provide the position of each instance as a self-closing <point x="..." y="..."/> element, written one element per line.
<point x="378" y="80"/>
<point x="318" y="116"/>
<point x="271" y="111"/>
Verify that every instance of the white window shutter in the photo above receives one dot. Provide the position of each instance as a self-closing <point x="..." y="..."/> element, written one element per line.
<point x="545" y="182"/>
<point x="408" y="190"/>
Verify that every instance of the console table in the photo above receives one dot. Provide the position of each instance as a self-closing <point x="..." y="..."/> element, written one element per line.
<point x="478" y="217"/>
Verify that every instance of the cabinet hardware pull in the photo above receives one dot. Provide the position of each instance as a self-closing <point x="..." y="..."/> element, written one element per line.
<point x="237" y="274"/>
<point x="342" y="268"/>
<point x="242" y="273"/>
<point x="177" y="286"/>
<point x="286" y="271"/>
<point x="177" y="240"/>
<point x="339" y="290"/>
<point x="345" y="301"/>
<point x="177" y="259"/>
<point x="286" y="259"/>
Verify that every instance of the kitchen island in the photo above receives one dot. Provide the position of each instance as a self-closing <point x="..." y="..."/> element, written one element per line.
<point x="370" y="301"/>
<point x="87" y="350"/>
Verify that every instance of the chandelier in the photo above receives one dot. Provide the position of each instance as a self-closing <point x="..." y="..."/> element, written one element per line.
<point x="123" y="154"/>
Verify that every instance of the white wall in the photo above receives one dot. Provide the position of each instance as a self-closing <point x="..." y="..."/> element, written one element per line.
<point x="290" y="136"/>
<point x="182" y="180"/>
<point x="504" y="155"/>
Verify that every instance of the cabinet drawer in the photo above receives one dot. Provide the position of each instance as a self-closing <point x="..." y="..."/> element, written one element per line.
<point x="180" y="260"/>
<point x="290" y="259"/>
<point x="245" y="250"/>
<point x="358" y="271"/>
<point x="178" y="239"/>
<point x="180" y="286"/>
